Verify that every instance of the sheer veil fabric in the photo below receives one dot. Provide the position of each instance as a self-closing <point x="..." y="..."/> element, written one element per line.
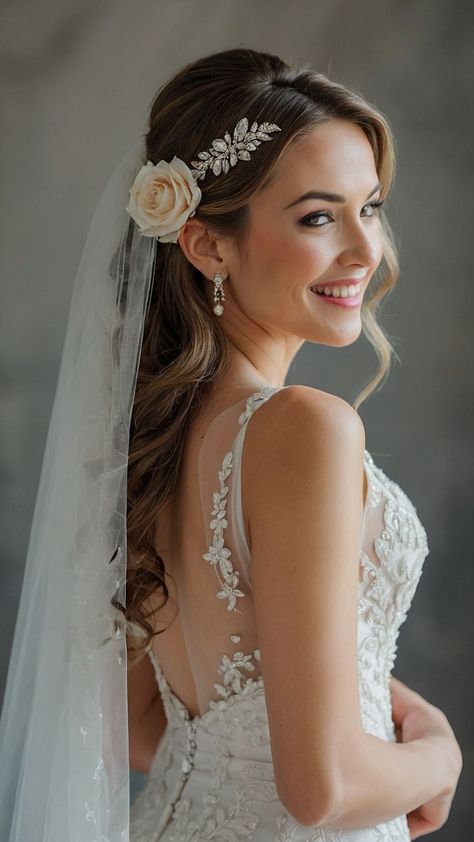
<point x="63" y="728"/>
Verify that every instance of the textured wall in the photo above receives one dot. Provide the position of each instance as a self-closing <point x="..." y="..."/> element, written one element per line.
<point x="77" y="81"/>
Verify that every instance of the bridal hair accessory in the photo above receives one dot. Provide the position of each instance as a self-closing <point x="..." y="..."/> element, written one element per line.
<point x="164" y="195"/>
<point x="228" y="150"/>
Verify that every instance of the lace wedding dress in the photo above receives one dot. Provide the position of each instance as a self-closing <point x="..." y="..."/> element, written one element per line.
<point x="212" y="776"/>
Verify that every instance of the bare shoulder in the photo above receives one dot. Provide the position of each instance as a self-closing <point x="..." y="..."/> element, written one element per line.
<point x="300" y="434"/>
<point x="298" y="420"/>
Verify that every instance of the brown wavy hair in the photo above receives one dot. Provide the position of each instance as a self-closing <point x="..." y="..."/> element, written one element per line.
<point x="184" y="346"/>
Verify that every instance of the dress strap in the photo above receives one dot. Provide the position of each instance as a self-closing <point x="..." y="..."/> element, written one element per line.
<point x="240" y="534"/>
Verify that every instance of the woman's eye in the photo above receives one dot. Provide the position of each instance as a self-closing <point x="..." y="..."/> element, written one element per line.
<point x="317" y="215"/>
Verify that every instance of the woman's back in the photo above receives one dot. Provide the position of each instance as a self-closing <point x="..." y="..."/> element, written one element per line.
<point x="183" y="533"/>
<point x="213" y="775"/>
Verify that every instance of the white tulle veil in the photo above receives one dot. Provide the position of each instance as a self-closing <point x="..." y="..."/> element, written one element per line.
<point x="63" y="730"/>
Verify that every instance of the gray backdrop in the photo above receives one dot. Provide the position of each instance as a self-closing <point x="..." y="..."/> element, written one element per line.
<point x="77" y="80"/>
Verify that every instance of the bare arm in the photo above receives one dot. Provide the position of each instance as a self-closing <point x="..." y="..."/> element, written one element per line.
<point x="389" y="779"/>
<point x="302" y="485"/>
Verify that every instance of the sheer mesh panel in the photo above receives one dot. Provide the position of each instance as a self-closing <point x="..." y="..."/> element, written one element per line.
<point x="216" y="608"/>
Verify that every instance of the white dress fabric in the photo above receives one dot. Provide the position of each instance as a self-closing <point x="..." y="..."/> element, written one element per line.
<point x="212" y="776"/>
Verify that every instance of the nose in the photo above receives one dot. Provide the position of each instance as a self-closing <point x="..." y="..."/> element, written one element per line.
<point x="362" y="245"/>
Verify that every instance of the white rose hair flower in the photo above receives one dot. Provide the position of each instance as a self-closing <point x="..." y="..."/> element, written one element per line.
<point x="162" y="197"/>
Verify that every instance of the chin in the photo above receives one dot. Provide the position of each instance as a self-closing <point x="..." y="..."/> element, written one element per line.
<point x="341" y="340"/>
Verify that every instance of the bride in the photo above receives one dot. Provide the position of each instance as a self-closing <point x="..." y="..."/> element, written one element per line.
<point x="269" y="563"/>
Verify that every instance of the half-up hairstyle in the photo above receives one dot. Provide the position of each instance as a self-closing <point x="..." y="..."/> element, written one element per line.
<point x="184" y="346"/>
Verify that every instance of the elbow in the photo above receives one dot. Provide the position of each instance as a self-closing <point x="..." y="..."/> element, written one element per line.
<point x="313" y="805"/>
<point x="317" y="813"/>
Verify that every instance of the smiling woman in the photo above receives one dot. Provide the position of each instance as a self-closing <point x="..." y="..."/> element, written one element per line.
<point x="288" y="255"/>
<point x="218" y="570"/>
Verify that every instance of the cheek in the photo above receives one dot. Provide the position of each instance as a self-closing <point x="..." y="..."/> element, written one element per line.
<point x="288" y="253"/>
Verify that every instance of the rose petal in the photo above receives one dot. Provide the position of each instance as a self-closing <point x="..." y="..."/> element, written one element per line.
<point x="162" y="198"/>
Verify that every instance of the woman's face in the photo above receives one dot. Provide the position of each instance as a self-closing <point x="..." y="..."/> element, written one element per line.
<point x="296" y="244"/>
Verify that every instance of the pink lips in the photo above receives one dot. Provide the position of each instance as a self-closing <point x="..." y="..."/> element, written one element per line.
<point x="355" y="301"/>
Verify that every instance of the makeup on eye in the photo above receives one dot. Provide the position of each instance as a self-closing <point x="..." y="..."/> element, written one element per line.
<point x="376" y="205"/>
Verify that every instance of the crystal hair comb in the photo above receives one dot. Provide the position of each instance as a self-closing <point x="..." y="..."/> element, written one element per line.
<point x="226" y="152"/>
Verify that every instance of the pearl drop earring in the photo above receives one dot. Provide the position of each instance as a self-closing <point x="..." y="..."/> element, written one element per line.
<point x="219" y="294"/>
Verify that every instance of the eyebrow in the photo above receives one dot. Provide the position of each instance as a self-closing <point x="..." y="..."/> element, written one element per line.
<point x="328" y="197"/>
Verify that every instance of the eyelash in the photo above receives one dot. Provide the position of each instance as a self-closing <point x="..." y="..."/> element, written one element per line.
<point x="377" y="204"/>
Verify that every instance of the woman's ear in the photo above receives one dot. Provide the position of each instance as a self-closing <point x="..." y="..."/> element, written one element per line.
<point x="203" y="249"/>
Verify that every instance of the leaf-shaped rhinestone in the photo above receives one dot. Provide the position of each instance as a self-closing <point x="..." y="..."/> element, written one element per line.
<point x="241" y="129"/>
<point x="220" y="145"/>
<point x="225" y="152"/>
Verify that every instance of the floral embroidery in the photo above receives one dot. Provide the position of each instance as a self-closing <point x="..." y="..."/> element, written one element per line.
<point x="395" y="830"/>
<point x="386" y="590"/>
<point x="232" y="674"/>
<point x="319" y="834"/>
<point x="231" y="823"/>
<point x="375" y="490"/>
<point x="286" y="827"/>
<point x="391" y="831"/>
<point x="218" y="555"/>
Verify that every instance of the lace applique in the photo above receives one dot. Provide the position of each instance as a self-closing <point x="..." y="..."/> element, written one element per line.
<point x="219" y="555"/>
<point x="375" y="490"/>
<point x="249" y="406"/>
<point x="395" y="830"/>
<point x="220" y="715"/>
<point x="391" y="831"/>
<point x="233" y="677"/>
<point x="386" y="591"/>
<point x="249" y="718"/>
<point x="232" y="822"/>
<point x="389" y="586"/>
<point x="286" y="827"/>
